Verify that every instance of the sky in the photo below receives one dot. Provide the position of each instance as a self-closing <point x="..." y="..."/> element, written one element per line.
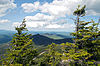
<point x="45" y="15"/>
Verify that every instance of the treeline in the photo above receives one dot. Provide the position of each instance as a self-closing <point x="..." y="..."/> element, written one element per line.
<point x="85" y="51"/>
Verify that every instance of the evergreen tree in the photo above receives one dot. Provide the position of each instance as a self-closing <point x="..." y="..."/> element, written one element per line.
<point x="51" y="57"/>
<point x="73" y="56"/>
<point x="21" y="50"/>
<point x="89" y="38"/>
<point x="53" y="54"/>
<point x="80" y="12"/>
<point x="87" y="35"/>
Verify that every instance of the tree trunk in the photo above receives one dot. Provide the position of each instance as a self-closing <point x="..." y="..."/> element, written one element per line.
<point x="77" y="27"/>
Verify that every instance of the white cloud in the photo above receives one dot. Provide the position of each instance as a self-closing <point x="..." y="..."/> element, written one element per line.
<point x="69" y="26"/>
<point x="63" y="7"/>
<point x="39" y="17"/>
<point x="56" y="10"/>
<point x="31" y="24"/>
<point x="35" y="24"/>
<point x="29" y="7"/>
<point x="60" y="7"/>
<point x="66" y="26"/>
<point x="15" y="24"/>
<point x="47" y="22"/>
<point x="5" y="5"/>
<point x="4" y="21"/>
<point x="47" y="25"/>
<point x="53" y="26"/>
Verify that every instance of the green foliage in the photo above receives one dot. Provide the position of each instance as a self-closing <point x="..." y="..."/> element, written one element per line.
<point x="83" y="52"/>
<point x="88" y="38"/>
<point x="21" y="50"/>
<point x="51" y="56"/>
<point x="87" y="35"/>
<point x="71" y="54"/>
<point x="80" y="11"/>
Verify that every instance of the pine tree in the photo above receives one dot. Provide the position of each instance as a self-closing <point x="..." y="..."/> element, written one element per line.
<point x="80" y="12"/>
<point x="21" y="50"/>
<point x="73" y="56"/>
<point x="87" y="36"/>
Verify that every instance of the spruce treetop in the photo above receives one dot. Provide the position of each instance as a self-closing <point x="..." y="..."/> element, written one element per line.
<point x="80" y="11"/>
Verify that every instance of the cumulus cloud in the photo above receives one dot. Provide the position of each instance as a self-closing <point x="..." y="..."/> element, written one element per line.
<point x="53" y="26"/>
<point x="35" y="24"/>
<point x="47" y="22"/>
<point x="60" y="7"/>
<point x="47" y="25"/>
<point x="31" y="24"/>
<point x="60" y="26"/>
<point x="40" y="17"/>
<point x="5" y="5"/>
<point x="29" y="7"/>
<point x="51" y="12"/>
<point x="63" y="7"/>
<point x="4" y="21"/>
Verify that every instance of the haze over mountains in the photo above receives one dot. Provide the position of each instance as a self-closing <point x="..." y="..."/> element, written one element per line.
<point x="39" y="37"/>
<point x="5" y="36"/>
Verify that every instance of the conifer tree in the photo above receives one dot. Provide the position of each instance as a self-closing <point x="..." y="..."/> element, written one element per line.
<point x="21" y="50"/>
<point x="87" y="36"/>
<point x="51" y="57"/>
<point x="53" y="54"/>
<point x="80" y="12"/>
<point x="73" y="56"/>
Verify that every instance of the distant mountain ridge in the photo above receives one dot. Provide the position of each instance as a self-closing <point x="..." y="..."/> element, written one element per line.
<point x="40" y="38"/>
<point x="7" y="32"/>
<point x="5" y="36"/>
<point x="56" y="36"/>
<point x="43" y="40"/>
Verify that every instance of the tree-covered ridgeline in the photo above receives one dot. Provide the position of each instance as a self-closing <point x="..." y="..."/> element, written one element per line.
<point x="85" y="51"/>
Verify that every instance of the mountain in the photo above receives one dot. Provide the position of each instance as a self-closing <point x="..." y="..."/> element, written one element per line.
<point x="3" y="48"/>
<point x="38" y="39"/>
<point x="6" y="32"/>
<point x="5" y="36"/>
<point x="57" y="35"/>
<point x="43" y="40"/>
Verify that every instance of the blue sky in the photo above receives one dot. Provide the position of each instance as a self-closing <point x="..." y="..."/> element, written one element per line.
<point x="45" y="15"/>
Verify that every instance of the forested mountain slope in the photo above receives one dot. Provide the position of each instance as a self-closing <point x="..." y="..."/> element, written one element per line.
<point x="43" y="40"/>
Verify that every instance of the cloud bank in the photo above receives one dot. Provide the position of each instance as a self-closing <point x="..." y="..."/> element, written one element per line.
<point x="51" y="14"/>
<point x="63" y="7"/>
